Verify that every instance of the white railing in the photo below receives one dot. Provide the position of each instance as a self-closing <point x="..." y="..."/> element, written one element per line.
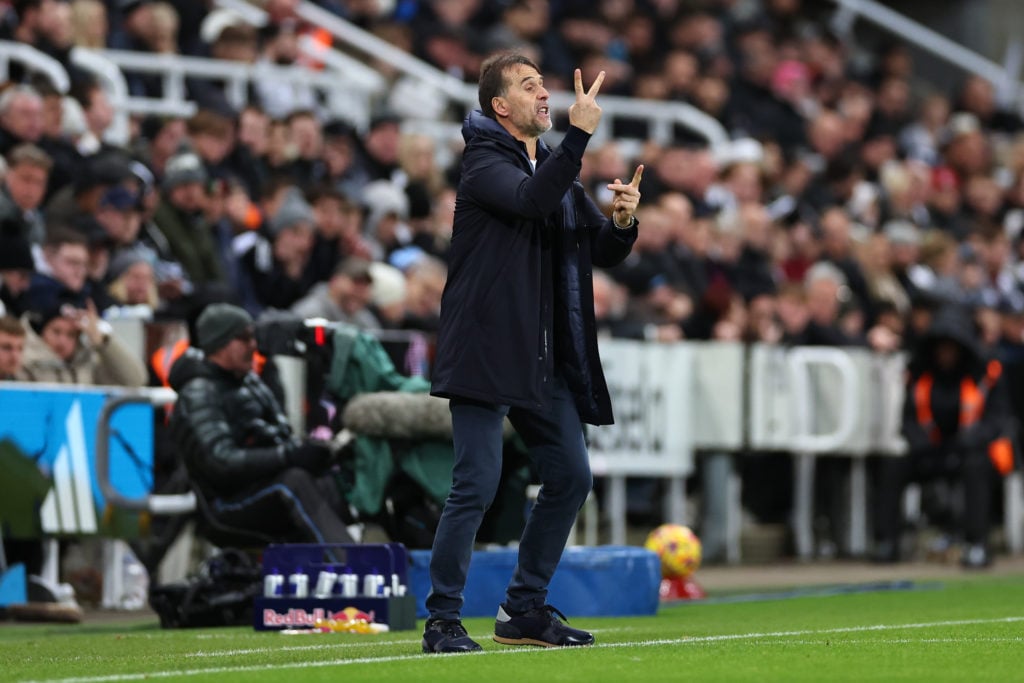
<point x="35" y="60"/>
<point x="661" y="116"/>
<point x="1005" y="78"/>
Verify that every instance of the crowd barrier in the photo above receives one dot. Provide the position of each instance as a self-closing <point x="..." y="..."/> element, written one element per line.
<point x="810" y="402"/>
<point x="673" y="404"/>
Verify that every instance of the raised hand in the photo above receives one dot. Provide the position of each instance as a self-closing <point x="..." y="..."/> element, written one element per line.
<point x="626" y="198"/>
<point x="585" y="113"/>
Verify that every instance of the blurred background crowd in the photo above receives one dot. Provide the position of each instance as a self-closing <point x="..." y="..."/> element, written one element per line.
<point x="855" y="199"/>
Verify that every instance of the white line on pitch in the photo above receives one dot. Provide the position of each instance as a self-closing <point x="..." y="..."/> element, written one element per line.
<point x="117" y="678"/>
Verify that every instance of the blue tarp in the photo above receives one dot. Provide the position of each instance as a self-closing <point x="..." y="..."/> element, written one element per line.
<point x="602" y="581"/>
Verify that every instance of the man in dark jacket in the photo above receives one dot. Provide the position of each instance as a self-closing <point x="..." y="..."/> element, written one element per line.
<point x="955" y="417"/>
<point x="517" y="338"/>
<point x="239" y="449"/>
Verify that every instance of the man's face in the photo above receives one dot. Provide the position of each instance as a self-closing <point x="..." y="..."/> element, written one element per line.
<point x="526" y="101"/>
<point x="236" y="355"/>
<point x="294" y="242"/>
<point x="70" y="265"/>
<point x="122" y="225"/>
<point x="353" y="293"/>
<point x="24" y="117"/>
<point x="61" y="335"/>
<point x="100" y="114"/>
<point x="27" y="185"/>
<point x="11" y="349"/>
<point x="253" y="130"/>
<point x="138" y="282"/>
<point x="188" y="197"/>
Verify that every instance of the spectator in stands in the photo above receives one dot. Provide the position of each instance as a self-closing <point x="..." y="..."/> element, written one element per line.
<point x="279" y="97"/>
<point x="977" y="97"/>
<point x="425" y="279"/>
<point x="338" y="230"/>
<point x="98" y="173"/>
<point x="133" y="280"/>
<point x="162" y="37"/>
<point x="955" y="412"/>
<point x="342" y="168"/>
<point x="159" y="140"/>
<point x="306" y="135"/>
<point x="345" y="297"/>
<point x="248" y="159"/>
<point x="240" y="451"/>
<point x="229" y="37"/>
<point x="387" y="213"/>
<point x="23" y="190"/>
<point x="31" y="21"/>
<point x="387" y="295"/>
<point x="277" y="265"/>
<point x="179" y="218"/>
<point x="68" y="343"/>
<point x="212" y="136"/>
<point x="16" y="268"/>
<point x="89" y="24"/>
<point x="380" y="146"/>
<point x="133" y="25"/>
<point x="12" y="347"/>
<point x="66" y="260"/>
<point x="57" y="139"/>
<point x="99" y="115"/>
<point x="21" y="116"/>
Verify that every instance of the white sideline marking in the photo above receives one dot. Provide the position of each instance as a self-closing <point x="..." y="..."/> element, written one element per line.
<point x="115" y="678"/>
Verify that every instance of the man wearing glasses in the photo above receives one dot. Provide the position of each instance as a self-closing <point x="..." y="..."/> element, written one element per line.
<point x="241" y="453"/>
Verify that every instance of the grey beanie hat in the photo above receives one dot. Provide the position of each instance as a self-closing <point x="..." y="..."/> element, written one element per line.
<point x="184" y="167"/>
<point x="218" y="324"/>
<point x="294" y="210"/>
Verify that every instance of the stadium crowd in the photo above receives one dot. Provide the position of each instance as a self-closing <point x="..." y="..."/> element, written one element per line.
<point x="854" y="200"/>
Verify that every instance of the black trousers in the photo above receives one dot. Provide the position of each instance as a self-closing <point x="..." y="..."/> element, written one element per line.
<point x="972" y="469"/>
<point x="294" y="506"/>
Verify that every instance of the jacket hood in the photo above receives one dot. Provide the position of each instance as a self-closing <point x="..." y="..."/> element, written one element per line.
<point x="954" y="323"/>
<point x="189" y="365"/>
<point x="479" y="128"/>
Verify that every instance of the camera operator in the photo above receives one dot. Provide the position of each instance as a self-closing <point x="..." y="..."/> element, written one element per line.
<point x="240" y="452"/>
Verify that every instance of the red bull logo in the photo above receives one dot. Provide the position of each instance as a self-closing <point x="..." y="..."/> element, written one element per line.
<point x="293" y="618"/>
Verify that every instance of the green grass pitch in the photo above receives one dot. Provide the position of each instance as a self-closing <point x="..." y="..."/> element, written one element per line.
<point x="966" y="630"/>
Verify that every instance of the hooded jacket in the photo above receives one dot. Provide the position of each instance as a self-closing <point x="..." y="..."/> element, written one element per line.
<point x="519" y="297"/>
<point x="230" y="430"/>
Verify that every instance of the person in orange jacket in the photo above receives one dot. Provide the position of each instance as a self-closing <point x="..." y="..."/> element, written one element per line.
<point x="956" y="420"/>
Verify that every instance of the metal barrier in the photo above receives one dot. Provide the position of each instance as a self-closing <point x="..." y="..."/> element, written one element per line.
<point x="152" y="503"/>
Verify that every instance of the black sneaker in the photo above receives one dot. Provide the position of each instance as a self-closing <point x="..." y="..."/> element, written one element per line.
<point x="538" y="626"/>
<point x="447" y="635"/>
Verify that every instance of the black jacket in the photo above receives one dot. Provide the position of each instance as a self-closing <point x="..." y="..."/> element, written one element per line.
<point x="519" y="296"/>
<point x="231" y="431"/>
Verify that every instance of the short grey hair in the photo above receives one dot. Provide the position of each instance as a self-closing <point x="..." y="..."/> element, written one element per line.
<point x="8" y="96"/>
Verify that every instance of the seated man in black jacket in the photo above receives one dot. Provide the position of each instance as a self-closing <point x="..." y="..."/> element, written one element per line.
<point x="240" y="451"/>
<point x="955" y="421"/>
